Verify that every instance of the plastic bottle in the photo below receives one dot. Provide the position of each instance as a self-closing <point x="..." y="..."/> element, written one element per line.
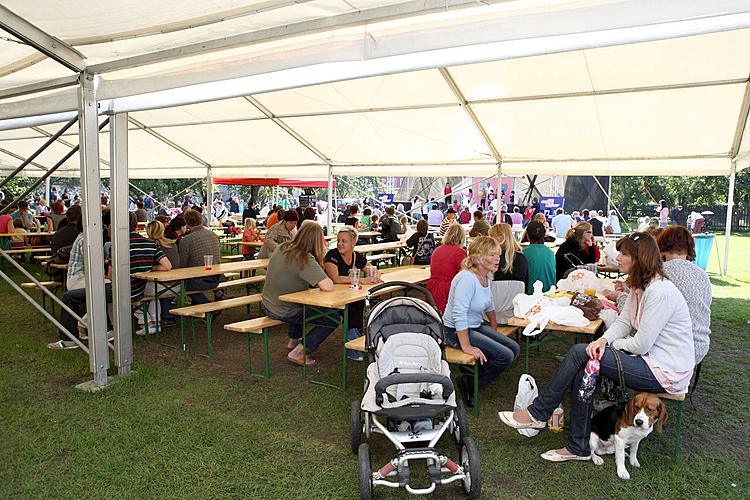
<point x="556" y="421"/>
<point x="588" y="384"/>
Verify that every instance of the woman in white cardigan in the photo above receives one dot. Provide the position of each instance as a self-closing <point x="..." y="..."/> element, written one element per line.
<point x="653" y="333"/>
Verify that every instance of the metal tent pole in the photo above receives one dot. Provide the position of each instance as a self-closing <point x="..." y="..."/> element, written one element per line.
<point x="209" y="196"/>
<point x="96" y="303"/>
<point x="609" y="195"/>
<point x="730" y="208"/>
<point x="499" y="191"/>
<point x="330" y="201"/>
<point x="120" y="233"/>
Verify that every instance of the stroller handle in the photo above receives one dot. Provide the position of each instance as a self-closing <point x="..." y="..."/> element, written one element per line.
<point x="570" y="256"/>
<point x="402" y="284"/>
<point x="413" y="378"/>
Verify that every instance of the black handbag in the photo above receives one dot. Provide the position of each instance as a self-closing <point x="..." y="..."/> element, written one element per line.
<point x="611" y="392"/>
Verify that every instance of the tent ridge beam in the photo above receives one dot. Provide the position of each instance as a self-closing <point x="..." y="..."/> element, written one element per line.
<point x="42" y="41"/>
<point x="470" y="113"/>
<point x="289" y="130"/>
<point x="168" y="142"/>
<point x="349" y="19"/>
<point x="741" y="121"/>
<point x="626" y="90"/>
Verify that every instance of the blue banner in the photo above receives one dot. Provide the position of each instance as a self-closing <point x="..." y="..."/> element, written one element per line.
<point x="386" y="198"/>
<point x="549" y="204"/>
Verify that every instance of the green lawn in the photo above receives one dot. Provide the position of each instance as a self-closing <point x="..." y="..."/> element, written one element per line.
<point x="186" y="426"/>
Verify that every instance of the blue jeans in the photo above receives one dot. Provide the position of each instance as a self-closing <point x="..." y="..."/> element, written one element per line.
<point x="637" y="374"/>
<point x="207" y="283"/>
<point x="322" y="326"/>
<point x="499" y="350"/>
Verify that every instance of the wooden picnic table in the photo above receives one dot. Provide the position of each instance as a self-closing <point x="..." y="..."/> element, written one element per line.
<point x="369" y="234"/>
<point x="380" y="247"/>
<point x="181" y="275"/>
<point x="589" y="329"/>
<point x="340" y="298"/>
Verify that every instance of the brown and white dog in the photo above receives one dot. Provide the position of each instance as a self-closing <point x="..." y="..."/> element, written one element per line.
<point x="619" y="426"/>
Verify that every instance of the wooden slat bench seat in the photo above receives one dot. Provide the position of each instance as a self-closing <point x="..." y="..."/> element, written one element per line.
<point x="232" y="258"/>
<point x="380" y="257"/>
<point x="205" y="312"/>
<point x="52" y="286"/>
<point x="256" y="326"/>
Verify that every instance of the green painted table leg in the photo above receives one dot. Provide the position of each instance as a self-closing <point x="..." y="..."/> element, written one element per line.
<point x="345" y="376"/>
<point x="266" y="353"/>
<point x="476" y="388"/>
<point x="210" y="347"/>
<point x="526" y="357"/>
<point x="304" y="342"/>
<point x="250" y="353"/>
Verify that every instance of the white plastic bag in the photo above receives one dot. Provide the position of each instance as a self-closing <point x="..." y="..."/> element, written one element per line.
<point x="526" y="394"/>
<point x="580" y="280"/>
<point x="611" y="253"/>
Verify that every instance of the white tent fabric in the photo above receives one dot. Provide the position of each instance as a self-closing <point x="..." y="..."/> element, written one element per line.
<point x="552" y="87"/>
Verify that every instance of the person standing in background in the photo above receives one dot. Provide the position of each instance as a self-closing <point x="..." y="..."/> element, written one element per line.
<point x="447" y="191"/>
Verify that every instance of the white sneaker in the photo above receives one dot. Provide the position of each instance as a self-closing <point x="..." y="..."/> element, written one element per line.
<point x="141" y="331"/>
<point x="62" y="344"/>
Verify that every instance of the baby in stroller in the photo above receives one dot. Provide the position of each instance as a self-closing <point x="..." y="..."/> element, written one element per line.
<point x="409" y="397"/>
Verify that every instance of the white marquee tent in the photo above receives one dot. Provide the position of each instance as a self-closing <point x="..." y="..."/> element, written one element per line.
<point x="304" y="88"/>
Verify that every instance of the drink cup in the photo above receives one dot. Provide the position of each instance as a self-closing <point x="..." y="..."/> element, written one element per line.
<point x="354" y="275"/>
<point x="208" y="262"/>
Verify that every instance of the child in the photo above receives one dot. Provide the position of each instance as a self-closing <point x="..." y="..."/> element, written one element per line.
<point x="18" y="242"/>
<point x="250" y="234"/>
<point x="375" y="225"/>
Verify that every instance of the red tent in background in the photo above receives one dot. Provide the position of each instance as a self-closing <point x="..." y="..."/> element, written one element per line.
<point x="302" y="183"/>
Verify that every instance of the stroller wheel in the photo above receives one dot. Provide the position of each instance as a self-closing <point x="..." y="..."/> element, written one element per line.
<point x="365" y="472"/>
<point x="460" y="422"/>
<point x="472" y="468"/>
<point x="356" y="426"/>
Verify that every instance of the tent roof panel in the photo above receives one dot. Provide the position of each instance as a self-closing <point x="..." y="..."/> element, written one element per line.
<point x="228" y="109"/>
<point x="405" y="89"/>
<point x="427" y="135"/>
<point x="240" y="143"/>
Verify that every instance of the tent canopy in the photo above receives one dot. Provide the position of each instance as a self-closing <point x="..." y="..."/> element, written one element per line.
<point x="281" y="89"/>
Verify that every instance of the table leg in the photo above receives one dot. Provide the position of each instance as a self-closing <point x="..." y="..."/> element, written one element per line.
<point x="526" y="355"/>
<point x="304" y="342"/>
<point x="345" y="376"/>
<point x="182" y="300"/>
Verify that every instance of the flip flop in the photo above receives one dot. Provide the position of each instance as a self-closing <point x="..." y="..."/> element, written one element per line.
<point x="506" y="417"/>
<point x="554" y="456"/>
<point x="299" y="362"/>
<point x="292" y="344"/>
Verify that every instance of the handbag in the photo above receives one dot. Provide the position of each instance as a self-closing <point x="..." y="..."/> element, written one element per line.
<point x="408" y="260"/>
<point x="610" y="391"/>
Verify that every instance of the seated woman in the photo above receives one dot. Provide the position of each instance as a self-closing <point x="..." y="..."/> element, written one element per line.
<point x="296" y="266"/>
<point x="512" y="275"/>
<point x="422" y="244"/>
<point x="445" y="264"/>
<point x="549" y="234"/>
<point x="366" y="220"/>
<point x="677" y="248"/>
<point x="250" y="234"/>
<point x="469" y="304"/>
<point x="352" y="219"/>
<point x="579" y="241"/>
<point x="338" y="263"/>
<point x="654" y="328"/>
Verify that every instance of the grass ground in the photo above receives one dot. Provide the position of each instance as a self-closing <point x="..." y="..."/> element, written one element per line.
<point x="186" y="426"/>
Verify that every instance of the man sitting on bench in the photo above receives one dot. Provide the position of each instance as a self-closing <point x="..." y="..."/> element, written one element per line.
<point x="198" y="242"/>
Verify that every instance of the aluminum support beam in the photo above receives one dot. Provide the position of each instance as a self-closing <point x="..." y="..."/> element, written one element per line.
<point x="741" y="122"/>
<point x="33" y="88"/>
<point x="210" y="195"/>
<point x="329" y="211"/>
<point x="93" y="254"/>
<point x="472" y="116"/>
<point x="730" y="209"/>
<point x="120" y="233"/>
<point x="45" y="43"/>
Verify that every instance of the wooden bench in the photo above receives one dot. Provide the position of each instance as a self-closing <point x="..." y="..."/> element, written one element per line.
<point x="380" y="257"/>
<point x="256" y="326"/>
<point x="254" y="282"/>
<point x="452" y="356"/>
<point x="52" y="286"/>
<point x="205" y="313"/>
<point x="232" y="258"/>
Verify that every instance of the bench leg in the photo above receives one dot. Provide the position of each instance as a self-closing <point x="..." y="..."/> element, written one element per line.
<point x="266" y="356"/>
<point x="210" y="347"/>
<point x="266" y="353"/>
<point x="195" y="343"/>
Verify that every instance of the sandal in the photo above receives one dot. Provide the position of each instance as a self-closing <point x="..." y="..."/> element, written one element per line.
<point x="298" y="361"/>
<point x="556" y="456"/>
<point x="507" y="418"/>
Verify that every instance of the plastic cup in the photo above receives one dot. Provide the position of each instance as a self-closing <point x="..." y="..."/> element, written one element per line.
<point x="208" y="262"/>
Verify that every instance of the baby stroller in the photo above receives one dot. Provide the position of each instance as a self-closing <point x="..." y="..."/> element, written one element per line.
<point x="409" y="397"/>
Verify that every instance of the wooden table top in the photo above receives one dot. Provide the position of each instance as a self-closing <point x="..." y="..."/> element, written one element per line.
<point x="369" y="234"/>
<point x="185" y="273"/>
<point x="589" y="329"/>
<point x="380" y="247"/>
<point x="608" y="269"/>
<point x="248" y="243"/>
<point x="343" y="294"/>
<point x="29" y="234"/>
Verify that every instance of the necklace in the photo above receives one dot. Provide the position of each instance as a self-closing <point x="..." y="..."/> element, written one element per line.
<point x="482" y="279"/>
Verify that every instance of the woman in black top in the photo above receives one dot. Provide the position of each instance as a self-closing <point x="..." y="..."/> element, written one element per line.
<point x="579" y="241"/>
<point x="421" y="243"/>
<point x="512" y="275"/>
<point x="337" y="264"/>
<point x="352" y="220"/>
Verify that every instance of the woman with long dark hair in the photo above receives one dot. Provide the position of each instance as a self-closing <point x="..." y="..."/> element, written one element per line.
<point x="653" y="334"/>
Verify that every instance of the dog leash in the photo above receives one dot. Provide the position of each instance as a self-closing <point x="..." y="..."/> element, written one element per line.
<point x="621" y="393"/>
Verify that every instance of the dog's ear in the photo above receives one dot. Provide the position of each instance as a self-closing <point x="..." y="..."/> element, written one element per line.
<point x="630" y="411"/>
<point x="661" y="416"/>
